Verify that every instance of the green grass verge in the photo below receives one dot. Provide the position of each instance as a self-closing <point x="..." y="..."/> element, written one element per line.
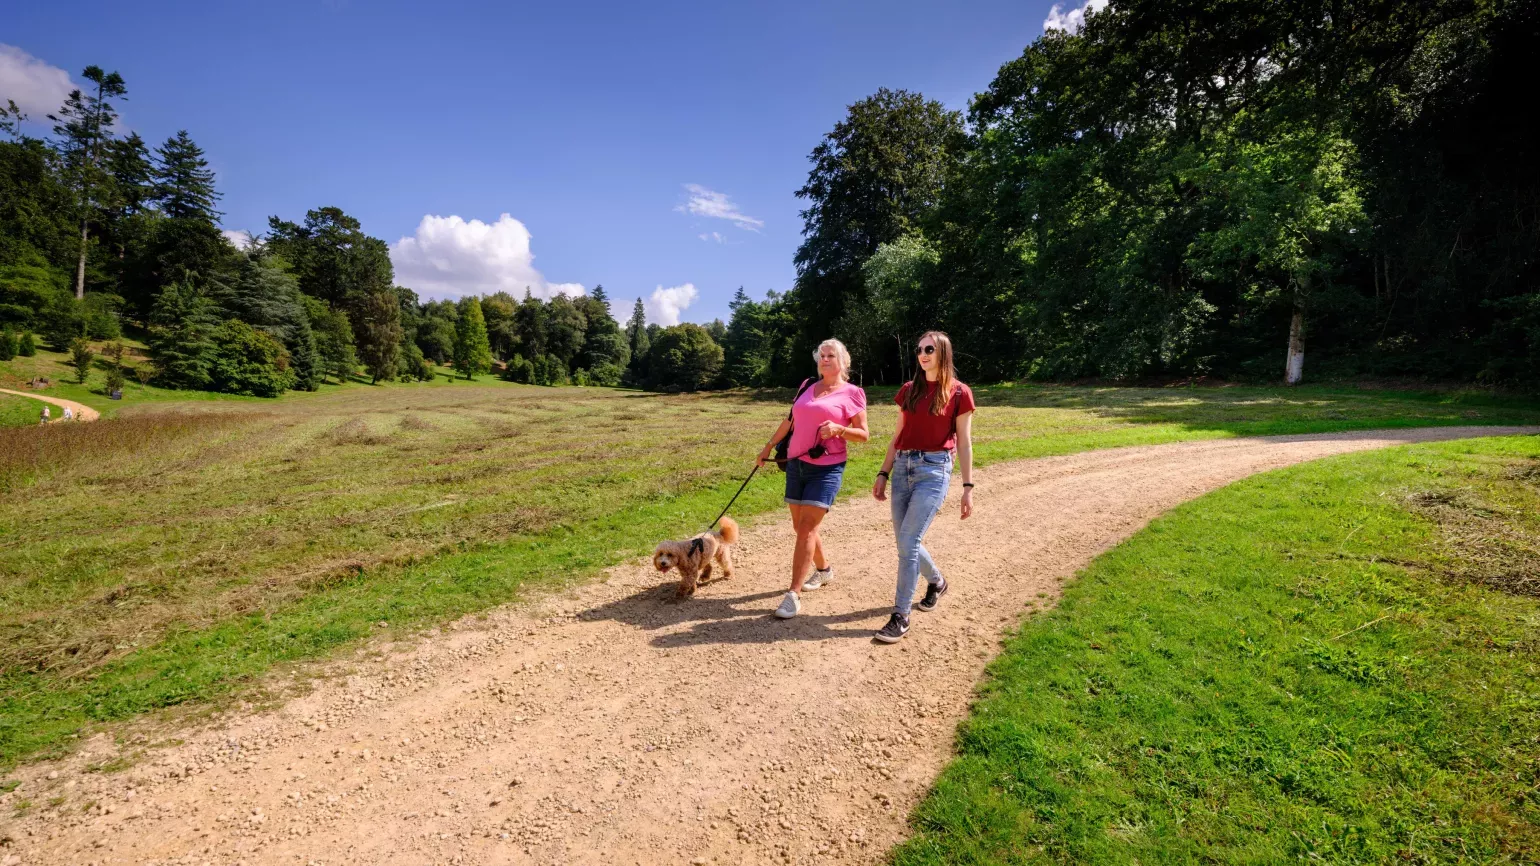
<point x="1310" y="665"/>
<point x="19" y="411"/>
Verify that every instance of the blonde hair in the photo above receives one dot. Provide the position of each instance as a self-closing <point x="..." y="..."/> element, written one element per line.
<point x="841" y="352"/>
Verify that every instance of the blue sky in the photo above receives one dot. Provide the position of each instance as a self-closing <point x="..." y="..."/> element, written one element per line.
<point x="593" y="126"/>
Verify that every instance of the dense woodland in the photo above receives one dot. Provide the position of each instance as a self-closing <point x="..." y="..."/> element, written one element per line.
<point x="1177" y="189"/>
<point x="1181" y="188"/>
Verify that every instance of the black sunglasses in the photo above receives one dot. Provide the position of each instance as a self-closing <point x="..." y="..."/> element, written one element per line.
<point x="925" y="350"/>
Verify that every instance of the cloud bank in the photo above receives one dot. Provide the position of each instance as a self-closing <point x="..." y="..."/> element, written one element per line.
<point x="239" y="238"/>
<point x="449" y="257"/>
<point x="666" y="305"/>
<point x="716" y="205"/>
<point x="37" y="87"/>
<point x="1074" y="19"/>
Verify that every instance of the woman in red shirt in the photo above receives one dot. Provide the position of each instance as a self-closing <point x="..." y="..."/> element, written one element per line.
<point x="935" y="420"/>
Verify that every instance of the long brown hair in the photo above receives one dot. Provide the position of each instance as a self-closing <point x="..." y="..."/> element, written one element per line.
<point x="946" y="376"/>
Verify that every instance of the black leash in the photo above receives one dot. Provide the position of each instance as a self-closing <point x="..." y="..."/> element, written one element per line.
<point x="735" y="497"/>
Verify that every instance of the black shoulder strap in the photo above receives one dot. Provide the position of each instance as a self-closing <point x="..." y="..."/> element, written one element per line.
<point x="696" y="546"/>
<point x="798" y="395"/>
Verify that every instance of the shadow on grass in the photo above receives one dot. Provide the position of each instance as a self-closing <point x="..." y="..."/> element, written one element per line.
<point x="740" y="619"/>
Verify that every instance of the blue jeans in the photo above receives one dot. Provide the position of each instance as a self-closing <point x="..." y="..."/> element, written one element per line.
<point x="920" y="481"/>
<point x="809" y="484"/>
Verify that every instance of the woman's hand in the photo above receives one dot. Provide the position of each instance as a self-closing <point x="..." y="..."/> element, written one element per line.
<point x="764" y="457"/>
<point x="880" y="488"/>
<point x="967" y="503"/>
<point x="830" y="430"/>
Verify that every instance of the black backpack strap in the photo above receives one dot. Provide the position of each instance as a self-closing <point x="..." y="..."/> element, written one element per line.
<point x="798" y="395"/>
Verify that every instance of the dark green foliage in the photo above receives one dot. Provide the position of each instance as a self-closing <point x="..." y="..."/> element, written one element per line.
<point x="9" y="344"/>
<point x="639" y="341"/>
<point x="248" y="361"/>
<point x="757" y="342"/>
<point x="876" y="177"/>
<point x="181" y="336"/>
<point x="603" y="342"/>
<point x="564" y="327"/>
<point x="84" y="127"/>
<point x="99" y="311"/>
<point x="684" y="358"/>
<point x="412" y="364"/>
<point x="333" y="339"/>
<point x="115" y="378"/>
<point x="80" y="358"/>
<point x="549" y="370"/>
<point x="436" y="330"/>
<point x="28" y="346"/>
<point x="62" y="321"/>
<point x="472" y="351"/>
<point x="379" y="334"/>
<point x="529" y="323"/>
<point x="28" y="288"/>
<point x="184" y="183"/>
<point x="502" y="332"/>
<point x="519" y="369"/>
<point x="606" y="375"/>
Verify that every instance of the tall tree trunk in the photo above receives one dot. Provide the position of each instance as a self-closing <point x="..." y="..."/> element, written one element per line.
<point x="80" y="267"/>
<point x="1294" y="365"/>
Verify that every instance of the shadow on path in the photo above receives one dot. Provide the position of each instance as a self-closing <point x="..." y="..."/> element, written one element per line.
<point x="742" y="619"/>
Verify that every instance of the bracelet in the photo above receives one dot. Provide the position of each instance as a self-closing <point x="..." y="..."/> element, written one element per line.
<point x="883" y="474"/>
<point x="967" y="483"/>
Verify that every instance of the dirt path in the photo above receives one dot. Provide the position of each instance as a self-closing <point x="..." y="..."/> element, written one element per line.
<point x="611" y="725"/>
<point x="82" y="411"/>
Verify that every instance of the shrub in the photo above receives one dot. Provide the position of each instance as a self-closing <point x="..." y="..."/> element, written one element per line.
<point x="80" y="358"/>
<point x="8" y="345"/>
<point x="412" y="364"/>
<point x="99" y="314"/>
<point x="28" y="346"/>
<point x="145" y="373"/>
<point x="519" y="369"/>
<point x="580" y="378"/>
<point x="549" y="370"/>
<point x="606" y="375"/>
<point x="115" y="379"/>
<point x="248" y="361"/>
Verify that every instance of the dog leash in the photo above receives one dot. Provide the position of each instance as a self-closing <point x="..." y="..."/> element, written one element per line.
<point x="735" y="498"/>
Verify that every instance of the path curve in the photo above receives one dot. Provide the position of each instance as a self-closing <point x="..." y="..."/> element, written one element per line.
<point x="607" y="724"/>
<point x="82" y="411"/>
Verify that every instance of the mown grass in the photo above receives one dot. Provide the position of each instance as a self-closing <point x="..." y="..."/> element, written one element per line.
<point x="178" y="551"/>
<point x="19" y="411"/>
<point x="1326" y="663"/>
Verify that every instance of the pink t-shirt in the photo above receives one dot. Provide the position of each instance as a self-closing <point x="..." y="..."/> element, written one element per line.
<point x="841" y="405"/>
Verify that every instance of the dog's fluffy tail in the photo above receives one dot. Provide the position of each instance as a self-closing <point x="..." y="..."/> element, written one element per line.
<point x="728" y="531"/>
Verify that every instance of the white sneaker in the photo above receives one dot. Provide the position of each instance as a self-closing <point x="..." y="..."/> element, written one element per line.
<point x="790" y="606"/>
<point x="820" y="577"/>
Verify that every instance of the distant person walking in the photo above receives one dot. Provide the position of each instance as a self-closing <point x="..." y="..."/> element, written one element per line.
<point x="826" y="413"/>
<point x="935" y="420"/>
<point x="69" y="414"/>
<point x="46" y="417"/>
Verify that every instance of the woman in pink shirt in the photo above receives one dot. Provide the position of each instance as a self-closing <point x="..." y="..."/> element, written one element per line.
<point x="827" y="413"/>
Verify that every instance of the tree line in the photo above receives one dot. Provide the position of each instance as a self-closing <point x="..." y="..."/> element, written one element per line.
<point x="1186" y="188"/>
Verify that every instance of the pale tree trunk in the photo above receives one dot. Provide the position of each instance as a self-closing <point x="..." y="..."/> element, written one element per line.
<point x="80" y="267"/>
<point x="1294" y="364"/>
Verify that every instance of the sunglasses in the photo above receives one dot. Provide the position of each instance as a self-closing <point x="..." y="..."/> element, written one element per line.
<point x="925" y="350"/>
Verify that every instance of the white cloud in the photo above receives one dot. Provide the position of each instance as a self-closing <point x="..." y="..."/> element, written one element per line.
<point x="37" y="87"/>
<point x="713" y="236"/>
<point x="666" y="305"/>
<point x="716" y="205"/>
<point x="450" y="257"/>
<point x="239" y="238"/>
<point x="1074" y="19"/>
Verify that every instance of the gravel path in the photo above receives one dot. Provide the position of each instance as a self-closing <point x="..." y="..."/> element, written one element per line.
<point x="609" y="724"/>
<point x="82" y="411"/>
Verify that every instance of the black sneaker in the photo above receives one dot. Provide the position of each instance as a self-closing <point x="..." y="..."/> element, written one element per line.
<point x="894" y="631"/>
<point x="933" y="593"/>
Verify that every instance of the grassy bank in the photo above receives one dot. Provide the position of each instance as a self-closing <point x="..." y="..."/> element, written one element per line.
<point x="1335" y="662"/>
<point x="176" y="552"/>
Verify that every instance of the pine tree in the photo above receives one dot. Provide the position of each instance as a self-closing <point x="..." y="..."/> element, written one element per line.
<point x="379" y="334"/>
<point x="8" y="344"/>
<point x="181" y="336"/>
<point x="473" y="353"/>
<point x="184" y="183"/>
<point x="28" y="346"/>
<point x="84" y="126"/>
<point x="636" y="334"/>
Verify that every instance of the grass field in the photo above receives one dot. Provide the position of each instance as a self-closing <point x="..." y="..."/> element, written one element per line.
<point x="181" y="549"/>
<point x="19" y="411"/>
<point x="1336" y="662"/>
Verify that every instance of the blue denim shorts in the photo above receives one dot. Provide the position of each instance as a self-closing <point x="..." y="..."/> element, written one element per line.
<point x="807" y="484"/>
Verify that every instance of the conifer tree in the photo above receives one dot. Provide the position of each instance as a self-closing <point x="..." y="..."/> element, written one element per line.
<point x="181" y="336"/>
<point x="473" y="352"/>
<point x="184" y="183"/>
<point x="84" y="126"/>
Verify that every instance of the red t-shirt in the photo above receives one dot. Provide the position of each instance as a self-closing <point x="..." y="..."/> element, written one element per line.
<point x="926" y="432"/>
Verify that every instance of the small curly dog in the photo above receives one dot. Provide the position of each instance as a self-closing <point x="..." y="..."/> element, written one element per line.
<point x="694" y="557"/>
